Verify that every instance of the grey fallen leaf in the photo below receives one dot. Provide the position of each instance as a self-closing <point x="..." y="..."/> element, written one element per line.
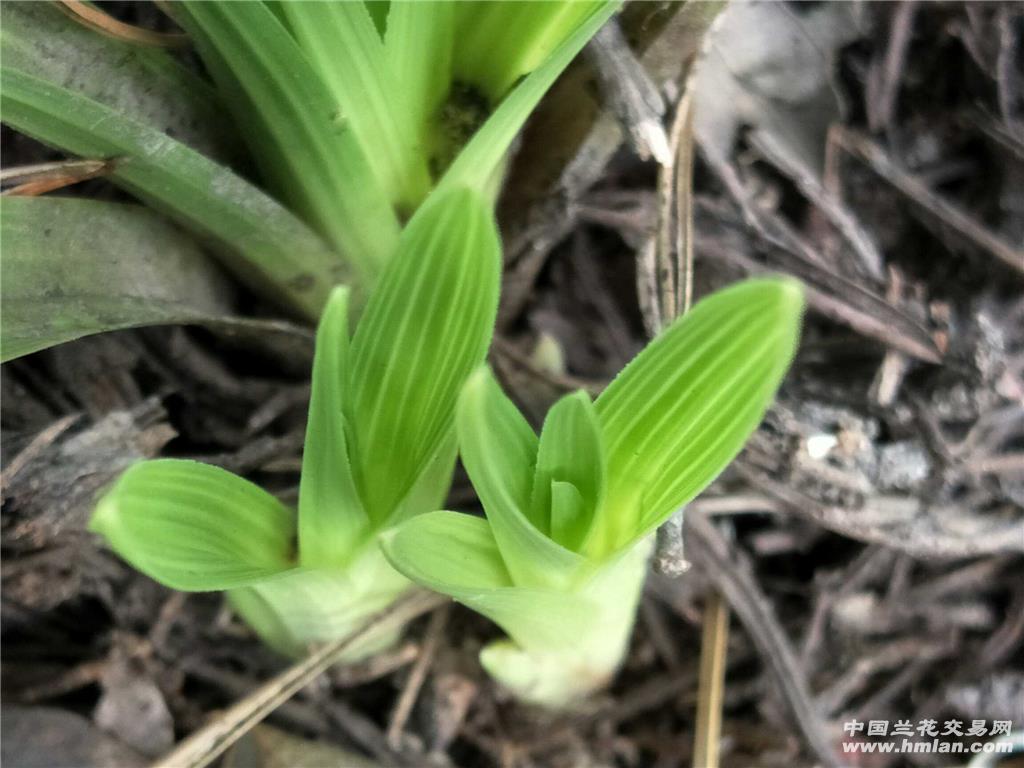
<point x="767" y="65"/>
<point x="42" y="737"/>
<point x="133" y="709"/>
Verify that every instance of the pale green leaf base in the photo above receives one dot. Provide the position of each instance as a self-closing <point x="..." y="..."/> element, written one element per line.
<point x="309" y="607"/>
<point x="563" y="677"/>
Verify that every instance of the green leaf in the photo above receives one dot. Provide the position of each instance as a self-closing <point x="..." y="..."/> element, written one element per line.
<point x="426" y="326"/>
<point x="499" y="451"/>
<point x="449" y="552"/>
<point x="456" y="555"/>
<point x="141" y="82"/>
<point x="499" y="41"/>
<point x="419" y="32"/>
<point x="303" y="141"/>
<point x="74" y="267"/>
<point x="431" y="487"/>
<point x="258" y="240"/>
<point x="477" y="163"/>
<point x="683" y="408"/>
<point x="570" y="452"/>
<point x="196" y="527"/>
<point x="344" y="47"/>
<point x="331" y="516"/>
<point x="571" y="515"/>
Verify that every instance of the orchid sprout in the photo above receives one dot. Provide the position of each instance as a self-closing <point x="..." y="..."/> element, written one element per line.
<point x="560" y="559"/>
<point x="379" y="449"/>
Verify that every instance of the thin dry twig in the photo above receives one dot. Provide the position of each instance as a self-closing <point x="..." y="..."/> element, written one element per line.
<point x="672" y="282"/>
<point x="39" y="444"/>
<point x="503" y="348"/>
<point x="711" y="690"/>
<point x="731" y="576"/>
<point x="377" y="666"/>
<point x="938" y="210"/>
<point x="38" y="179"/>
<point x="102" y="22"/>
<point x="403" y="707"/>
<point x="829" y="293"/>
<point x="631" y="93"/>
<point x="884" y="79"/>
<point x="830" y="206"/>
<point x="204" y="746"/>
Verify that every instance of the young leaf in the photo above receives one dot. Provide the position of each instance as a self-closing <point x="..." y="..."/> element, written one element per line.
<point x="331" y="516"/>
<point x="425" y="328"/>
<point x="347" y="52"/>
<point x="482" y="156"/>
<point x="74" y="267"/>
<point x="499" y="451"/>
<point x="449" y="552"/>
<point x="570" y="453"/>
<point x="196" y="527"/>
<point x="260" y="241"/>
<point x="303" y="141"/>
<point x="431" y="488"/>
<point x="682" y="409"/>
<point x="456" y="555"/>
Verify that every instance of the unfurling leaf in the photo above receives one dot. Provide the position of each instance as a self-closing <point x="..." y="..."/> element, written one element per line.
<point x="499" y="450"/>
<point x="569" y="479"/>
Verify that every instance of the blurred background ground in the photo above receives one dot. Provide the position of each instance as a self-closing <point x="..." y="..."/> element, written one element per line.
<point x="868" y="541"/>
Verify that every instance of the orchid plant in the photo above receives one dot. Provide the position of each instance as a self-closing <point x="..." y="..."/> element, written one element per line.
<point x="560" y="559"/>
<point x="379" y="449"/>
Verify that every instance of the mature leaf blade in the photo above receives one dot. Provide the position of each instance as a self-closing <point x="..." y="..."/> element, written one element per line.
<point x="482" y="157"/>
<point x="456" y="554"/>
<point x="73" y="267"/>
<point x="302" y="140"/>
<point x="570" y="452"/>
<point x="196" y="527"/>
<point x="259" y="240"/>
<point x="426" y="326"/>
<point x="683" y="408"/>
<point x="499" y="451"/>
<point x="142" y="82"/>
<point x="420" y="32"/>
<point x="346" y="50"/>
<point x="502" y="40"/>
<point x="331" y="516"/>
